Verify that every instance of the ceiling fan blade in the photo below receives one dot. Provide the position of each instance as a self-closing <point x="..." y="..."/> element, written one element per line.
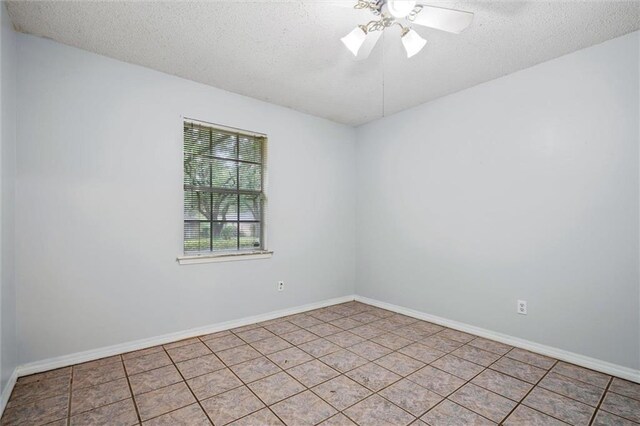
<point x="368" y="45"/>
<point x="450" y="20"/>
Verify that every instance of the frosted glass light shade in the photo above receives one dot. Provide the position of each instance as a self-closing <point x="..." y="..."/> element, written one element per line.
<point x="400" y="8"/>
<point x="412" y="43"/>
<point x="354" y="40"/>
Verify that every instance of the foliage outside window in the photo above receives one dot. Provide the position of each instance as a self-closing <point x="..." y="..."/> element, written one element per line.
<point x="223" y="190"/>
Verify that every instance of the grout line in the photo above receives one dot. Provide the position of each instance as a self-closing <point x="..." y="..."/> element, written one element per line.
<point x="188" y="387"/>
<point x="604" y="394"/>
<point x="133" y="396"/>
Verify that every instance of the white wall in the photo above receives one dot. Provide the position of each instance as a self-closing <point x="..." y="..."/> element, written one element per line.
<point x="99" y="205"/>
<point x="8" y="63"/>
<point x="525" y="187"/>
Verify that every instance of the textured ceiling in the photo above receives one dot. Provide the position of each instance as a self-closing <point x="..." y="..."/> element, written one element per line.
<point x="289" y="52"/>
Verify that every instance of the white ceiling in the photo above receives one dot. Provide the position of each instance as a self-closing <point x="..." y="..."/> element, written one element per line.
<point x="289" y="52"/>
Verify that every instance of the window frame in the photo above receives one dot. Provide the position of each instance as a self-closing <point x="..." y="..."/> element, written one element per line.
<point x="187" y="258"/>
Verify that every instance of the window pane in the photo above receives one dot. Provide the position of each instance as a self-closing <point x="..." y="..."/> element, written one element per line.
<point x="250" y="207"/>
<point x="250" y="149"/>
<point x="196" y="205"/>
<point x="196" y="141"/>
<point x="225" y="236"/>
<point x="224" y="144"/>
<point x="197" y="237"/>
<point x="250" y="176"/>
<point x="225" y="174"/>
<point x="197" y="171"/>
<point x="250" y="236"/>
<point x="224" y="206"/>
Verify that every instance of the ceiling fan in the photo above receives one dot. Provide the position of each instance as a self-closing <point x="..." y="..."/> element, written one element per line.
<point x="362" y="39"/>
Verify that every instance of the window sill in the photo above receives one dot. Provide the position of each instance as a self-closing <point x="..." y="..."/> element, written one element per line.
<point x="226" y="257"/>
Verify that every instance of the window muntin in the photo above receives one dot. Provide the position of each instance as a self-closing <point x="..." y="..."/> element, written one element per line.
<point x="223" y="190"/>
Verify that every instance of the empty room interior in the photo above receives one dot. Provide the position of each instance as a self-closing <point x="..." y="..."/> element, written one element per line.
<point x="320" y="212"/>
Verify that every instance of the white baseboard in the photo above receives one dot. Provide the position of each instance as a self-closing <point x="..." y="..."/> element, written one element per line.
<point x="71" y="359"/>
<point x="574" y="358"/>
<point x="76" y="358"/>
<point x="6" y="392"/>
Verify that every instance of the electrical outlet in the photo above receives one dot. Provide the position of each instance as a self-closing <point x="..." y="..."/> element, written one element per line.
<point x="280" y="285"/>
<point x="522" y="307"/>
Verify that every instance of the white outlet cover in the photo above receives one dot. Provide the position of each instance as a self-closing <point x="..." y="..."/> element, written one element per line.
<point x="522" y="307"/>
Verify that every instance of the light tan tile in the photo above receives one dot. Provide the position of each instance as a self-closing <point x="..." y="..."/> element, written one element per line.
<point x="255" y="334"/>
<point x="183" y="342"/>
<point x="391" y="341"/>
<point x="255" y="369"/>
<point x="338" y="420"/>
<point x="121" y="413"/>
<point x="345" y="339"/>
<point x="456" y="335"/>
<point x="312" y="373"/>
<point x="154" y="379"/>
<point x="275" y="388"/>
<point x="626" y="388"/>
<point x="539" y="361"/>
<point x="323" y="330"/>
<point x="187" y="352"/>
<point x="146" y="362"/>
<point x="475" y="355"/>
<point x="343" y="360"/>
<point x="66" y="371"/>
<point x="238" y="354"/>
<point x="222" y="343"/>
<point x="411" y="397"/>
<point x="448" y="413"/>
<point x="458" y="367"/>
<point x="290" y="357"/>
<point x="199" y="366"/>
<point x="85" y="399"/>
<point x="38" y="412"/>
<point x="270" y="345"/>
<point x="607" y="419"/>
<point x="262" y="417"/>
<point x="490" y="345"/>
<point x="231" y="405"/>
<point x="524" y="415"/>
<point x="583" y="374"/>
<point x="504" y="385"/>
<point x="305" y="408"/>
<point x="436" y="380"/>
<point x="421" y="352"/>
<point x="164" y="400"/>
<point x="191" y="415"/>
<point x="483" y="402"/>
<point x="211" y="384"/>
<point x="341" y="392"/>
<point x="519" y="370"/>
<point x="370" y="350"/>
<point x="373" y="376"/>
<point x="141" y="352"/>
<point x="97" y="375"/>
<point x="41" y="389"/>
<point x="319" y="347"/>
<point x="399" y="363"/>
<point x="622" y="406"/>
<point x="375" y="411"/>
<point x="558" y="406"/>
<point x="572" y="388"/>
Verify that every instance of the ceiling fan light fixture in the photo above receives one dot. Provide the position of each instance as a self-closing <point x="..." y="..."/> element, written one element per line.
<point x="412" y="42"/>
<point x="354" y="40"/>
<point x="400" y="8"/>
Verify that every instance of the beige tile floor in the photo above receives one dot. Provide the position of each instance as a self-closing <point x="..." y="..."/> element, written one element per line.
<point x="342" y="365"/>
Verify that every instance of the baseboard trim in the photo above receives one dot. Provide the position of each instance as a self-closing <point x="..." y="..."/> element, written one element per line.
<point x="574" y="358"/>
<point x="91" y="355"/>
<point x="6" y="392"/>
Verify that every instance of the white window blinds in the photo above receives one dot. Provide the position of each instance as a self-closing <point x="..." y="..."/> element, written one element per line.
<point x="223" y="190"/>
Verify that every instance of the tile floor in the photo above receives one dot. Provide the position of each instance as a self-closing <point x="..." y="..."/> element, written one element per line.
<point x="342" y="365"/>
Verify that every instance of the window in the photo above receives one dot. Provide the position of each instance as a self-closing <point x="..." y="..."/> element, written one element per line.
<point x="223" y="190"/>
